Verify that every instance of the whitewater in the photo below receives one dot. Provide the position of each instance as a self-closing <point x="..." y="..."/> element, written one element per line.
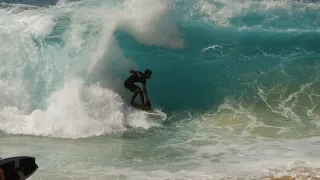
<point x="237" y="84"/>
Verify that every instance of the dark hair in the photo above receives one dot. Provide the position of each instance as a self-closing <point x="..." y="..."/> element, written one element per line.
<point x="148" y="71"/>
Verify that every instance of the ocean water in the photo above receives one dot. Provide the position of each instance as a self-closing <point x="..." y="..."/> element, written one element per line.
<point x="237" y="83"/>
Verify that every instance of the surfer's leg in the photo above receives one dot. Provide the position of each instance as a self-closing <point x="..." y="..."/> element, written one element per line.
<point x="133" y="88"/>
<point x="134" y="96"/>
<point x="140" y="92"/>
<point x="137" y="90"/>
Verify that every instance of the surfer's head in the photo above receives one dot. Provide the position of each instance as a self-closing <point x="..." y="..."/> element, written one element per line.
<point x="148" y="73"/>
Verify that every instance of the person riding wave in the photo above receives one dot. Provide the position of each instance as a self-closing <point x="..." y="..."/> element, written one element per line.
<point x="138" y="76"/>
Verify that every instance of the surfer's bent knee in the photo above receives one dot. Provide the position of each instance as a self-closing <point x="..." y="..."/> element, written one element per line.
<point x="138" y="90"/>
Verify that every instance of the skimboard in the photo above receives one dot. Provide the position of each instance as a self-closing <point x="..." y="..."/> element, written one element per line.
<point x="151" y="111"/>
<point x="19" y="167"/>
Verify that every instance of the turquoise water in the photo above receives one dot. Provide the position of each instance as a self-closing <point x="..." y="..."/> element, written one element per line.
<point x="236" y="83"/>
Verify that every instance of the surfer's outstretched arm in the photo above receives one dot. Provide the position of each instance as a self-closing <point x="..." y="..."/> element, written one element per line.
<point x="146" y="92"/>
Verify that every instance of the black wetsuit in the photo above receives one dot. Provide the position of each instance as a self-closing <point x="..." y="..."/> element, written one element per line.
<point x="136" y="77"/>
